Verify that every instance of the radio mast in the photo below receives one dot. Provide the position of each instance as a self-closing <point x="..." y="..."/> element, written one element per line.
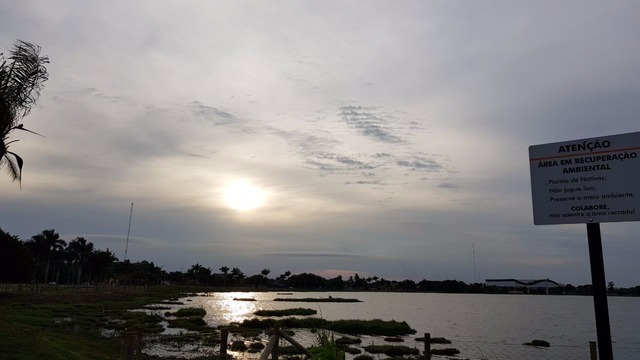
<point x="128" y="231"/>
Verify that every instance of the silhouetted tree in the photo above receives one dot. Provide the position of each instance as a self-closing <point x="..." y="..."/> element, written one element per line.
<point x="44" y="246"/>
<point x="237" y="275"/>
<point x="100" y="262"/>
<point x="21" y="80"/>
<point x="79" y="250"/>
<point x="225" y="271"/>
<point x="265" y="272"/>
<point x="307" y="281"/>
<point x="16" y="262"/>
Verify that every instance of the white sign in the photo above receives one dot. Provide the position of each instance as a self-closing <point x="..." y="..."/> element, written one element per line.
<point x="586" y="181"/>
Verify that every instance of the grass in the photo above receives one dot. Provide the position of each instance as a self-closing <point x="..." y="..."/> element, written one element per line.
<point x="41" y="326"/>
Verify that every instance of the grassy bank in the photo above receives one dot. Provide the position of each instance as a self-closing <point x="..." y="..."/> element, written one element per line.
<point x="68" y="325"/>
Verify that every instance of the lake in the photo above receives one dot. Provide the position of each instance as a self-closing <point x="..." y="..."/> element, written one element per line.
<point x="480" y="325"/>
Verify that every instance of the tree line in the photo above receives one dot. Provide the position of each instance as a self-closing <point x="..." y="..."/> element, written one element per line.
<point x="45" y="258"/>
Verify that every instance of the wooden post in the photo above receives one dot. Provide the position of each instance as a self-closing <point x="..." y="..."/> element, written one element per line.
<point x="224" y="340"/>
<point x="275" y="350"/>
<point x="273" y="340"/>
<point x="427" y="346"/>
<point x="294" y="343"/>
<point x="593" y="349"/>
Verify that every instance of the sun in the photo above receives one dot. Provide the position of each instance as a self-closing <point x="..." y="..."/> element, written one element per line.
<point x="241" y="195"/>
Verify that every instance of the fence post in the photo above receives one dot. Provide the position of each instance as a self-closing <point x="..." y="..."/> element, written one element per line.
<point x="593" y="348"/>
<point x="224" y="340"/>
<point x="427" y="346"/>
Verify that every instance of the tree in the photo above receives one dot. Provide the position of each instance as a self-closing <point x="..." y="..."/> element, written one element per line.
<point x="265" y="272"/>
<point x="79" y="250"/>
<point x="99" y="263"/>
<point x="44" y="246"/>
<point x="236" y="275"/>
<point x="16" y="263"/>
<point x="21" y="80"/>
<point x="225" y="271"/>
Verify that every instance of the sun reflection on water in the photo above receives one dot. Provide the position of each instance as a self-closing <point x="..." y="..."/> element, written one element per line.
<point x="225" y="308"/>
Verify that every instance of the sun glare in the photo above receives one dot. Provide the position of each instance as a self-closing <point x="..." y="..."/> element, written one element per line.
<point x="241" y="195"/>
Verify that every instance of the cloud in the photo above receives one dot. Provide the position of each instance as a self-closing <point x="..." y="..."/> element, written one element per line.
<point x="420" y="164"/>
<point x="370" y="124"/>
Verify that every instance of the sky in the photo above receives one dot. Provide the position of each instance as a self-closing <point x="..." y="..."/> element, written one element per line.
<point x="380" y="138"/>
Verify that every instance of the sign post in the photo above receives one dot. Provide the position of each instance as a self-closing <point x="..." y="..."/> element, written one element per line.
<point x="588" y="181"/>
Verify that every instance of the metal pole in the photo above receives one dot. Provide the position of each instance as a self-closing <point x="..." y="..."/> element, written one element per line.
<point x="599" y="291"/>
<point x="128" y="231"/>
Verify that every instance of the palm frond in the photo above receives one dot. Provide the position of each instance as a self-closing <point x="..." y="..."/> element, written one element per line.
<point x="22" y="81"/>
<point x="14" y="165"/>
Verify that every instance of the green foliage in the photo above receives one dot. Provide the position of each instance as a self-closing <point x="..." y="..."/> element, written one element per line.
<point x="327" y="348"/>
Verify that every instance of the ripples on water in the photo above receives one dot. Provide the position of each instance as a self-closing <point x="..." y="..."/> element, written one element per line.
<point x="467" y="319"/>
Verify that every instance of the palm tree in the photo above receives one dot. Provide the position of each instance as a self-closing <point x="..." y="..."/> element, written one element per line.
<point x="80" y="250"/>
<point x="225" y="271"/>
<point x="20" y="84"/>
<point x="45" y="245"/>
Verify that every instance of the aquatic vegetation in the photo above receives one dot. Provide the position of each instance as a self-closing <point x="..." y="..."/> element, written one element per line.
<point x="286" y="312"/>
<point x="327" y="348"/>
<point x="394" y="339"/>
<point x="187" y="312"/>
<point x="445" y="351"/>
<point x="256" y="347"/>
<point x="371" y="327"/>
<point x="192" y="323"/>
<point x="356" y="327"/>
<point x="343" y="341"/>
<point x="329" y="299"/>
<point x="435" y="340"/>
<point x="391" y="350"/>
<point x="363" y="357"/>
<point x="238" y="345"/>
<point x="541" y="343"/>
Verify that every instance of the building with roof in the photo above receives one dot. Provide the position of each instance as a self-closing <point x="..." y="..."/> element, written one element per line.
<point x="521" y="286"/>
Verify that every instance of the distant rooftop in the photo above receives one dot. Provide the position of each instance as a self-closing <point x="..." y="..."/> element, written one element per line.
<point x="533" y="284"/>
